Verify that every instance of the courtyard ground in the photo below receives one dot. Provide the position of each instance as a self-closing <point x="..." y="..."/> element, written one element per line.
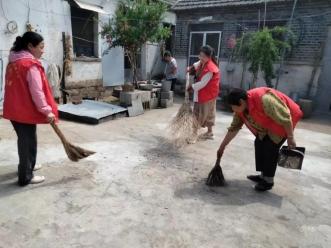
<point x="140" y="191"/>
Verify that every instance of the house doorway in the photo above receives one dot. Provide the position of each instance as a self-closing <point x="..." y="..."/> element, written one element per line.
<point x="323" y="99"/>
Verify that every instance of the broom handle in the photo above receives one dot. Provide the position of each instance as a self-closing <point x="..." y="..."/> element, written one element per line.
<point x="187" y="94"/>
<point x="58" y="132"/>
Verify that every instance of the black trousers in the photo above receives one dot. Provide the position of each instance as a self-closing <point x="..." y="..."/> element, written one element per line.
<point x="173" y="83"/>
<point x="27" y="151"/>
<point x="266" y="156"/>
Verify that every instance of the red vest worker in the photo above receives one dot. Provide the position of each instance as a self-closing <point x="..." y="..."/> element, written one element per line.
<point x="206" y="90"/>
<point x="27" y="101"/>
<point x="271" y="116"/>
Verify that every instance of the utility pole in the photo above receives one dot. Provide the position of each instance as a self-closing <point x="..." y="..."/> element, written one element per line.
<point x="265" y="12"/>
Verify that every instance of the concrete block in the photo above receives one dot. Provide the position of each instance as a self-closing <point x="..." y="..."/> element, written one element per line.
<point x="166" y="103"/>
<point x="166" y="86"/>
<point x="156" y="93"/>
<point x="167" y="95"/>
<point x="154" y="103"/>
<point x="145" y="95"/>
<point x="136" y="108"/>
<point x="126" y="98"/>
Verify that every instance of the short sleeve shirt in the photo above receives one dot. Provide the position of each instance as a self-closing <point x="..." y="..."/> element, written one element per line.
<point x="170" y="67"/>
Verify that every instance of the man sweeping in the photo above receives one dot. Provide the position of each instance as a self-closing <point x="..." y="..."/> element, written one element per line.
<point x="271" y="116"/>
<point x="170" y="70"/>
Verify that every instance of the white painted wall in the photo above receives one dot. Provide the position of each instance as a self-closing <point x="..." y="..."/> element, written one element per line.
<point x="49" y="17"/>
<point x="84" y="71"/>
<point x="170" y="18"/>
<point x="295" y="78"/>
<point x="150" y="57"/>
<point x="52" y="17"/>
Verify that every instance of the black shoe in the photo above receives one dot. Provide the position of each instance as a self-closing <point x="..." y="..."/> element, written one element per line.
<point x="263" y="186"/>
<point x="255" y="178"/>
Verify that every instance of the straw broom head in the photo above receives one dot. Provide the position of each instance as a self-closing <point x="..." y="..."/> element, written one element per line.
<point x="216" y="177"/>
<point x="74" y="153"/>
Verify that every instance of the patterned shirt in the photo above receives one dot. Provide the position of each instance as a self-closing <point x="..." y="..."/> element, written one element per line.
<point x="275" y="109"/>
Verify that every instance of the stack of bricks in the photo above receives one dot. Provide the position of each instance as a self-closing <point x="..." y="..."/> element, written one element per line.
<point x="155" y="98"/>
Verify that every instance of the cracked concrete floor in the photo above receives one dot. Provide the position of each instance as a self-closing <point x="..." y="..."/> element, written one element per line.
<point x="140" y="191"/>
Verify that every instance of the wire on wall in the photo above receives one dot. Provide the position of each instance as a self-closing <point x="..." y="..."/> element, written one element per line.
<point x="3" y="11"/>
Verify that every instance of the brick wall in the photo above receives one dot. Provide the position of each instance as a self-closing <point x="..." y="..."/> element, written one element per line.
<point x="310" y="31"/>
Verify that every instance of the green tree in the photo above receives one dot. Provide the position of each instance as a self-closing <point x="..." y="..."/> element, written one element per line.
<point x="262" y="49"/>
<point x="135" y="23"/>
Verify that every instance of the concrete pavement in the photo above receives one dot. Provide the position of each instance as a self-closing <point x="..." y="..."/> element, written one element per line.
<point x="140" y="191"/>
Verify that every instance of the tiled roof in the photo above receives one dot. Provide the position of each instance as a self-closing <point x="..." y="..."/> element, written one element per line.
<point x="171" y="2"/>
<point x="194" y="4"/>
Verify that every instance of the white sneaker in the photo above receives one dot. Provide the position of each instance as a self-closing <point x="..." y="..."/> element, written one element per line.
<point x="192" y="140"/>
<point x="37" y="179"/>
<point x="207" y="136"/>
<point x="37" y="167"/>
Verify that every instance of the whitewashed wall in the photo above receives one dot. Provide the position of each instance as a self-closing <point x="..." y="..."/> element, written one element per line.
<point x="49" y="17"/>
<point x="52" y="17"/>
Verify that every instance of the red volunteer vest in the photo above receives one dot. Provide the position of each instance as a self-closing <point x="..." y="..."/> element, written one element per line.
<point x="255" y="110"/>
<point x="18" y="104"/>
<point x="211" y="91"/>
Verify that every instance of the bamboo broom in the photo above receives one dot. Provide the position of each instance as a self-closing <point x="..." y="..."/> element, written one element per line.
<point x="216" y="177"/>
<point x="74" y="153"/>
<point x="182" y="124"/>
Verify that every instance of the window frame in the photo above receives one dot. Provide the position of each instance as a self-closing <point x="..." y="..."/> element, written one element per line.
<point x="204" y="43"/>
<point x="94" y="41"/>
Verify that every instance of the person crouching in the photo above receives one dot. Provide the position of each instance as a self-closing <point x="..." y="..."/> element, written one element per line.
<point x="271" y="116"/>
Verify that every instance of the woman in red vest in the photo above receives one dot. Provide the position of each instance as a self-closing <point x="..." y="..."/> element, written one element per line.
<point x="271" y="116"/>
<point x="205" y="92"/>
<point x="28" y="101"/>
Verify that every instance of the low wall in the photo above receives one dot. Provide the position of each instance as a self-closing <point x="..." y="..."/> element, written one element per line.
<point x="295" y="77"/>
<point x="86" y="80"/>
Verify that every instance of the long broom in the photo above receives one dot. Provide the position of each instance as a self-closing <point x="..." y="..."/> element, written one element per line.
<point x="181" y="126"/>
<point x="216" y="177"/>
<point x="74" y="153"/>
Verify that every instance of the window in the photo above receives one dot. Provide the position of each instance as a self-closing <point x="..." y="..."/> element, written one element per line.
<point x="199" y="39"/>
<point x="84" y="32"/>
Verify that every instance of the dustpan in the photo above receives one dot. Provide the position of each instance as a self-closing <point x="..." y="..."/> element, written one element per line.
<point x="291" y="158"/>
